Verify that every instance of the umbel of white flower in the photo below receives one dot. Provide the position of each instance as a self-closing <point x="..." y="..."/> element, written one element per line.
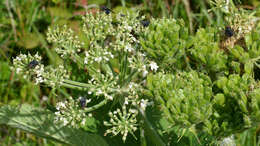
<point x="108" y="44"/>
<point x="28" y="66"/>
<point x="122" y="122"/>
<point x="71" y="114"/>
<point x="31" y="68"/>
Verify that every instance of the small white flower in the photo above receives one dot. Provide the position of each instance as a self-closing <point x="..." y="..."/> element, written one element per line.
<point x="90" y="115"/>
<point x="129" y="28"/>
<point x="18" y="70"/>
<point x="62" y="105"/>
<point x="65" y="122"/>
<point x="98" y="59"/>
<point x="129" y="48"/>
<point x="83" y="122"/>
<point x="154" y="66"/>
<point x="99" y="92"/>
<point x="145" y="72"/>
<point x="133" y="111"/>
<point x="143" y="104"/>
<point x="228" y="141"/>
<point x="39" y="80"/>
<point x="44" y="98"/>
<point x="110" y="97"/>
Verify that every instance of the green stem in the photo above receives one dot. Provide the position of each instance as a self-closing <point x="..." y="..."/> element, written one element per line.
<point x="255" y="59"/>
<point x="73" y="86"/>
<point x="75" y="83"/>
<point x="150" y="131"/>
<point x="97" y="106"/>
<point x="130" y="77"/>
<point x="79" y="60"/>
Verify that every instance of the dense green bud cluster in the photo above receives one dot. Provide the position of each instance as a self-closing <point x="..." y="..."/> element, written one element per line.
<point x="165" y="42"/>
<point x="185" y="98"/>
<point x="236" y="104"/>
<point x="247" y="55"/>
<point x="205" y="53"/>
<point x="187" y="101"/>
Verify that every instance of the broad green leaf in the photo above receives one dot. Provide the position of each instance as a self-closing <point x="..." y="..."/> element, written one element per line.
<point x="40" y="122"/>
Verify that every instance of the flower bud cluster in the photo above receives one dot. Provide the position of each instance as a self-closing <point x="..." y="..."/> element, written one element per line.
<point x="122" y="122"/>
<point x="54" y="77"/>
<point x="133" y="98"/>
<point x="99" y="55"/>
<point x="71" y="113"/>
<point x="29" y="67"/>
<point x="104" y="85"/>
<point x="241" y="22"/>
<point x="67" y="43"/>
<point x="109" y="37"/>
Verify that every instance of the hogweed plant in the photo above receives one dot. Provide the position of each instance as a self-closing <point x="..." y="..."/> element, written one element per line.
<point x="151" y="78"/>
<point x="116" y="65"/>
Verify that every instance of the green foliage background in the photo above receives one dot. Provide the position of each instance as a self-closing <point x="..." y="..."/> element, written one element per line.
<point x="23" y="25"/>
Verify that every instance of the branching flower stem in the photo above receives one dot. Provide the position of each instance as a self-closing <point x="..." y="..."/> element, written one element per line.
<point x="102" y="103"/>
<point x="79" y="84"/>
<point x="73" y="86"/>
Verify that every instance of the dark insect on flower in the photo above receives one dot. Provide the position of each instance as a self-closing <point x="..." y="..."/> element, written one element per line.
<point x="229" y="32"/>
<point x="82" y="102"/>
<point x="122" y="15"/>
<point x="106" y="10"/>
<point x="145" y="23"/>
<point x="33" y="64"/>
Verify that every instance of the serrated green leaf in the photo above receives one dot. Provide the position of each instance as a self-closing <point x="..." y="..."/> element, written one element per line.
<point x="40" y="122"/>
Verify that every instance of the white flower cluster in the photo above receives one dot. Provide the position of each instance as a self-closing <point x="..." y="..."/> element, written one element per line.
<point x="104" y="85"/>
<point x="68" y="44"/>
<point x="228" y="141"/>
<point x="54" y="77"/>
<point x="122" y="122"/>
<point x="71" y="113"/>
<point x="114" y="59"/>
<point x="241" y="23"/>
<point x="98" y="26"/>
<point x="133" y="97"/>
<point x="98" y="55"/>
<point x="109" y="38"/>
<point x="29" y="67"/>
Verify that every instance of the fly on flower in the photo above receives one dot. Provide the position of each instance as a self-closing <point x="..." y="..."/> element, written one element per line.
<point x="106" y="10"/>
<point x="33" y="64"/>
<point x="82" y="102"/>
<point x="229" y="32"/>
<point x="145" y="23"/>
